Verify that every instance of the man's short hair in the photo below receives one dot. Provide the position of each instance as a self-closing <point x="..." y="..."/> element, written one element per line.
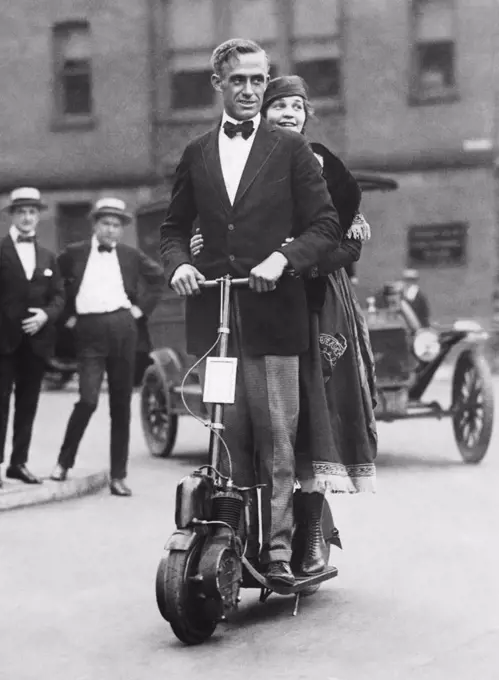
<point x="232" y="48"/>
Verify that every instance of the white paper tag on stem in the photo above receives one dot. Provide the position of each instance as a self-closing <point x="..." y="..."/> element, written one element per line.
<point x="220" y="380"/>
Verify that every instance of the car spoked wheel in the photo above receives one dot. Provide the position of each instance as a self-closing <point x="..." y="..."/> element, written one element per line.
<point x="159" y="424"/>
<point x="472" y="406"/>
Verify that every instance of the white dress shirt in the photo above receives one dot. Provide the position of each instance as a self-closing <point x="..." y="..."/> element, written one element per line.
<point x="411" y="292"/>
<point x="234" y="154"/>
<point x="25" y="251"/>
<point x="101" y="288"/>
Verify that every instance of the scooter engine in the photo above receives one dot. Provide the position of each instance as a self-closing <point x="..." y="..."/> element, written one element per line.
<point x="220" y="564"/>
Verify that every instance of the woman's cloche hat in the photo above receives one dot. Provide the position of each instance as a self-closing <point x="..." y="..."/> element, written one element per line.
<point x="284" y="86"/>
<point x="111" y="206"/>
<point x="25" y="196"/>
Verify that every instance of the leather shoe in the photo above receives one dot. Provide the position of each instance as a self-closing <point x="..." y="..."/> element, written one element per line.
<point x="22" y="473"/>
<point x="59" y="474"/>
<point x="119" y="488"/>
<point x="280" y="573"/>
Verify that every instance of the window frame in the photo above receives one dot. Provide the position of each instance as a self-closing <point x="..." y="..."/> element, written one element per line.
<point x="60" y="119"/>
<point x="199" y="113"/>
<point x="330" y="102"/>
<point x="418" y="95"/>
<point x="273" y="47"/>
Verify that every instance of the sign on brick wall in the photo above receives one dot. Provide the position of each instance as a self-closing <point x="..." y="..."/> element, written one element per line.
<point x="437" y="245"/>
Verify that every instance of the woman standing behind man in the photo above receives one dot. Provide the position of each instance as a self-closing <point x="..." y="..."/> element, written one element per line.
<point x="336" y="441"/>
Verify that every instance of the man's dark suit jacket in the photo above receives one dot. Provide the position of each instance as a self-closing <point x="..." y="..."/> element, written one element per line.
<point x="143" y="280"/>
<point x="421" y="308"/>
<point x="45" y="291"/>
<point x="281" y="193"/>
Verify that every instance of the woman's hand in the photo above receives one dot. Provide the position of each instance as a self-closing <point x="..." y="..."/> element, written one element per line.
<point x="196" y="244"/>
<point x="360" y="229"/>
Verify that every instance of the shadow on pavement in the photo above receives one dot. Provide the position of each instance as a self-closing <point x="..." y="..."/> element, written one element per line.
<point x="193" y="460"/>
<point x="403" y="460"/>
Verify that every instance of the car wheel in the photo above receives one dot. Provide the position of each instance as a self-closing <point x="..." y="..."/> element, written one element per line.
<point x="472" y="406"/>
<point x="159" y="424"/>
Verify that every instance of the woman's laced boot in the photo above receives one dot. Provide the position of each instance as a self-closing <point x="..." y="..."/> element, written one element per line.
<point x="315" y="547"/>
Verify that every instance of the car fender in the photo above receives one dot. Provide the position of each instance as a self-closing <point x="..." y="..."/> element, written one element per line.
<point x="168" y="363"/>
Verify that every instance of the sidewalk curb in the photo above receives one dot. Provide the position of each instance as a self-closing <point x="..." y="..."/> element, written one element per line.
<point x="22" y="496"/>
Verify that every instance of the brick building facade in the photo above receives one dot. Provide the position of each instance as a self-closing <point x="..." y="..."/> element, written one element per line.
<point x="102" y="97"/>
<point x="405" y="88"/>
<point x="76" y="106"/>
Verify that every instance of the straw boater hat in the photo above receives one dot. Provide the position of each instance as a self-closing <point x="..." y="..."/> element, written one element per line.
<point x="111" y="206"/>
<point x="411" y="275"/>
<point x="25" y="196"/>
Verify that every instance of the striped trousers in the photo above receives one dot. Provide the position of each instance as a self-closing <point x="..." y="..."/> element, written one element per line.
<point x="264" y="418"/>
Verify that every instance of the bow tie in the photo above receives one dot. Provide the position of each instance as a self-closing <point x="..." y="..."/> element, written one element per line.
<point x="25" y="239"/>
<point x="104" y="249"/>
<point x="245" y="129"/>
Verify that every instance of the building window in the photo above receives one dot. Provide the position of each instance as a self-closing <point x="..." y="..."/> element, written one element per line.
<point x="433" y="75"/>
<point x="191" y="43"/>
<point x="437" y="245"/>
<point x="191" y="87"/>
<point x="316" y="46"/>
<point x="72" y="71"/>
<point x="73" y="223"/>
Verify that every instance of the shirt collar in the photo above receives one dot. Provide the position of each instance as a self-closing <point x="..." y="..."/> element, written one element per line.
<point x="256" y="121"/>
<point x="15" y="233"/>
<point x="96" y="244"/>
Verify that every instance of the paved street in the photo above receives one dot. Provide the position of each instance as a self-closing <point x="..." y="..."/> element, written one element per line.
<point x="416" y="597"/>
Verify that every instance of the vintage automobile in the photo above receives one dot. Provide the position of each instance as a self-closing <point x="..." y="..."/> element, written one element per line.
<point x="407" y="357"/>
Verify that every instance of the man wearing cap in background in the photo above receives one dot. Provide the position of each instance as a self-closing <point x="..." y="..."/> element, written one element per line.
<point x="111" y="289"/>
<point x="415" y="297"/>
<point x="31" y="300"/>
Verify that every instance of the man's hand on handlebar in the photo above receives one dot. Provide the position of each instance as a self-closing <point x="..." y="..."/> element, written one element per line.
<point x="185" y="280"/>
<point x="264" y="276"/>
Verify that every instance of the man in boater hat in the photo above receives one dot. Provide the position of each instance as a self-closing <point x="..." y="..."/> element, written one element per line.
<point x="108" y="305"/>
<point x="31" y="300"/>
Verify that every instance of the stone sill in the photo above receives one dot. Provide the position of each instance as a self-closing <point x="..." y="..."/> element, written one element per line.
<point x="70" y="123"/>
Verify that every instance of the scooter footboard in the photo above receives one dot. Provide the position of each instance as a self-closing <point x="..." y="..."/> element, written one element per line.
<point x="301" y="583"/>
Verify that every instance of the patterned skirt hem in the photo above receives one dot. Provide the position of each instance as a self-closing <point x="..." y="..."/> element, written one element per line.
<point x="337" y="478"/>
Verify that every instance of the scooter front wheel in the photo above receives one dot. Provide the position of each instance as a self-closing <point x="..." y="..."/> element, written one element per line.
<point x="179" y="596"/>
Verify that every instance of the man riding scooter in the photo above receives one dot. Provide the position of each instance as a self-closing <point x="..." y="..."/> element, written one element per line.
<point x="252" y="186"/>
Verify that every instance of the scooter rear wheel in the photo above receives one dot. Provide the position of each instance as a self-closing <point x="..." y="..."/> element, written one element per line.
<point x="179" y="596"/>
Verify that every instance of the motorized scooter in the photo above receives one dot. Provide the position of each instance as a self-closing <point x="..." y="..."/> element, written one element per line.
<point x="199" y="579"/>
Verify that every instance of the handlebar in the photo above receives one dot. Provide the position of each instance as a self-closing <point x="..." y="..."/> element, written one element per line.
<point x="214" y="283"/>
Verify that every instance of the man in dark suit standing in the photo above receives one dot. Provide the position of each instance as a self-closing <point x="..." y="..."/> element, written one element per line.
<point x="31" y="300"/>
<point x="251" y="186"/>
<point x="111" y="289"/>
<point x="415" y="297"/>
